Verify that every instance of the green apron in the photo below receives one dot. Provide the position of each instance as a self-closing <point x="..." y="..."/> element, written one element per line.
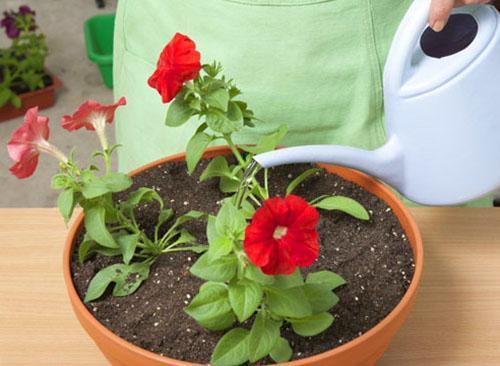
<point x="315" y="65"/>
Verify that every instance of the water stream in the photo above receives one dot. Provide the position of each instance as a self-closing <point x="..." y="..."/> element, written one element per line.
<point x="248" y="176"/>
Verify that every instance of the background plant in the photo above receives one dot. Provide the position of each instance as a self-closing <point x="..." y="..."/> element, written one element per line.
<point x="21" y="64"/>
<point x="111" y="228"/>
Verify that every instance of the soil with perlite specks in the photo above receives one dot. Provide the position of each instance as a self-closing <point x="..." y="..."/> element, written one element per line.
<point x="373" y="256"/>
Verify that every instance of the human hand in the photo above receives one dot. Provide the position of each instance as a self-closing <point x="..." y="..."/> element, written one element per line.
<point x="441" y="10"/>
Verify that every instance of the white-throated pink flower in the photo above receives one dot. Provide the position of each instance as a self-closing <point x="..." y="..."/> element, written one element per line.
<point x="28" y="141"/>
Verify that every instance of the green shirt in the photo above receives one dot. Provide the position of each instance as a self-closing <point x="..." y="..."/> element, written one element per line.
<point x="315" y="65"/>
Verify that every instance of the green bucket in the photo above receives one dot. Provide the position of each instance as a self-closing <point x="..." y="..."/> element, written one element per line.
<point x="99" y="41"/>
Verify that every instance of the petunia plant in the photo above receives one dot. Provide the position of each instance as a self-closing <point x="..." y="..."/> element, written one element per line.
<point x="21" y="64"/>
<point x="257" y="244"/>
<point x="111" y="228"/>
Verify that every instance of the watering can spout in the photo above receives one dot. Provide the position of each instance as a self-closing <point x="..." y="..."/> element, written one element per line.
<point x="385" y="163"/>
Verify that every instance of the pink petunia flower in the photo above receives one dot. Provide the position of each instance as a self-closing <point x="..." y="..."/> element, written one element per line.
<point x="91" y="115"/>
<point x="28" y="141"/>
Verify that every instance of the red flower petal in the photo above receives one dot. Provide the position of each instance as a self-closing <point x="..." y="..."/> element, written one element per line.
<point x="279" y="263"/>
<point x="22" y="146"/>
<point x="295" y="244"/>
<point x="178" y="62"/>
<point x="88" y="112"/>
<point x="27" y="166"/>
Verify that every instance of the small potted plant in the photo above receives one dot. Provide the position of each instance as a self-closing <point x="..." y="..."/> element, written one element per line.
<point x="24" y="81"/>
<point x="200" y="258"/>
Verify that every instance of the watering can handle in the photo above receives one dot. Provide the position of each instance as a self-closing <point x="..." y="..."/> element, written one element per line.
<point x="403" y="45"/>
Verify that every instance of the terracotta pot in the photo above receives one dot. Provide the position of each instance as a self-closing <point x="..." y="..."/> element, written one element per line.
<point x="43" y="98"/>
<point x="362" y="351"/>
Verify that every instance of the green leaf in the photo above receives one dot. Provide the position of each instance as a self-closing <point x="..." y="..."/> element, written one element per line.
<point x="263" y="336"/>
<point x="267" y="142"/>
<point x="296" y="182"/>
<point x="218" y="98"/>
<point x="195" y="104"/>
<point x="127" y="279"/>
<point x="232" y="348"/>
<point x="255" y="274"/>
<point x="320" y="297"/>
<point x="312" y="325"/>
<point x="207" y="284"/>
<point x="60" y="181"/>
<point x="217" y="167"/>
<point x="328" y="278"/>
<point x="117" y="182"/>
<point x="195" y="148"/>
<point x="245" y="298"/>
<point x="211" y="229"/>
<point x="234" y="113"/>
<point x="86" y="249"/>
<point x="219" y="247"/>
<point x="66" y="203"/>
<point x="286" y="281"/>
<point x="89" y="247"/>
<point x="184" y="237"/>
<point x="164" y="216"/>
<point x="178" y="112"/>
<point x="16" y="101"/>
<point x="226" y="124"/>
<point x="288" y="302"/>
<point x="211" y="309"/>
<point x="247" y="209"/>
<point x="344" y="204"/>
<point x="228" y="185"/>
<point x="281" y="352"/>
<point x="96" y="227"/>
<point x="102" y="280"/>
<point x="97" y="186"/>
<point x="143" y="195"/>
<point x="220" y="270"/>
<point x="133" y="275"/>
<point x="5" y="95"/>
<point x="128" y="244"/>
<point x="230" y="221"/>
<point x="191" y="215"/>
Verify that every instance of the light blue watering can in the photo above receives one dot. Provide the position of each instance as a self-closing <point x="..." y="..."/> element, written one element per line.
<point x="442" y="109"/>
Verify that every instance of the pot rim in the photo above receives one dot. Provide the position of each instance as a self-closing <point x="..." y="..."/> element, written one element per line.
<point x="384" y="193"/>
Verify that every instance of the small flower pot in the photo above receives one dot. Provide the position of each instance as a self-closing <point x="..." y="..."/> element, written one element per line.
<point x="98" y="32"/>
<point x="362" y="351"/>
<point x="43" y="98"/>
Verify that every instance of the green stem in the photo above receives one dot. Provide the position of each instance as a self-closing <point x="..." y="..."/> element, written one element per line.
<point x="107" y="162"/>
<point x="266" y="182"/>
<point x="235" y="150"/>
<point x="257" y="202"/>
<point x="168" y="250"/>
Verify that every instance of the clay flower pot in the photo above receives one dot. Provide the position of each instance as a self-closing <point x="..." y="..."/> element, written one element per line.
<point x="43" y="98"/>
<point x="362" y="351"/>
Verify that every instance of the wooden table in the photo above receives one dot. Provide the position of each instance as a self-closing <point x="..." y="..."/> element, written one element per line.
<point x="456" y="321"/>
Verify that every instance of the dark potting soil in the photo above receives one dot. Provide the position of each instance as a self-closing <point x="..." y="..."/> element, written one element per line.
<point x="373" y="256"/>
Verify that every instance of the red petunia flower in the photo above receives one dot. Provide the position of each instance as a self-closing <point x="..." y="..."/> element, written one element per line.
<point x="282" y="235"/>
<point x="28" y="141"/>
<point x="91" y="115"/>
<point x="179" y="62"/>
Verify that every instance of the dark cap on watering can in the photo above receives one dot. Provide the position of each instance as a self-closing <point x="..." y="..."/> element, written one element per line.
<point x="441" y="96"/>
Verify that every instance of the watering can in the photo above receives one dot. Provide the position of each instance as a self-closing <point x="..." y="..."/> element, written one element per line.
<point x="442" y="109"/>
